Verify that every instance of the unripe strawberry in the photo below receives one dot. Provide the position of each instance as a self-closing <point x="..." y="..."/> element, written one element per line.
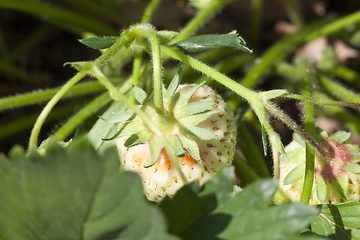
<point x="198" y="124"/>
<point x="336" y="179"/>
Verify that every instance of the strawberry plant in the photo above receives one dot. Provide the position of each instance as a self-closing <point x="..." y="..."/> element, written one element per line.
<point x="179" y="133"/>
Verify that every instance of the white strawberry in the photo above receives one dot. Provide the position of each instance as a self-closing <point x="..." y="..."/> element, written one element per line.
<point x="336" y="179"/>
<point x="198" y="124"/>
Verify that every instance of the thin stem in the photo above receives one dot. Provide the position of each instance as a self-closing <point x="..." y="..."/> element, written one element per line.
<point x="16" y="126"/>
<point x="157" y="71"/>
<point x="321" y="102"/>
<point x="50" y="105"/>
<point x="219" y="77"/>
<point x="149" y="123"/>
<point x="335" y="26"/>
<point x="87" y="112"/>
<point x="244" y="171"/>
<point x="294" y="12"/>
<point x="149" y="11"/>
<point x="201" y="17"/>
<point x="310" y="129"/>
<point x="278" y="52"/>
<point x="339" y="91"/>
<point x="292" y="125"/>
<point x="251" y="151"/>
<point x="26" y="99"/>
<point x="255" y="22"/>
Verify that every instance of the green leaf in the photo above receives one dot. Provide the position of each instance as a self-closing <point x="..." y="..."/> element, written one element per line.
<point x="340" y="136"/>
<point x="139" y="94"/>
<point x="321" y="188"/>
<point x="207" y="42"/>
<point x="173" y="85"/>
<point x="103" y="130"/>
<point x="201" y="133"/>
<point x="165" y="36"/>
<point x="329" y="60"/>
<point x="155" y="149"/>
<point x="338" y="221"/>
<point x="273" y="93"/>
<point x="340" y="184"/>
<point x="99" y="42"/>
<point x="141" y="137"/>
<point x="191" y="146"/>
<point x="295" y="174"/>
<point x="194" y="108"/>
<point x="198" y="118"/>
<point x="212" y="212"/>
<point x="175" y="142"/>
<point x="184" y="97"/>
<point x="118" y="117"/>
<point x="80" y="65"/>
<point x="352" y="167"/>
<point x="264" y="140"/>
<point x="299" y="139"/>
<point x="295" y="156"/>
<point x="74" y="194"/>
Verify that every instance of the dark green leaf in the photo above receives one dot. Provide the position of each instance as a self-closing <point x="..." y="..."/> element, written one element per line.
<point x="207" y="42"/>
<point x="138" y="138"/>
<point x="191" y="146"/>
<point x="74" y="194"/>
<point x="99" y="42"/>
<point x="212" y="212"/>
<point x="175" y="142"/>
<point x="338" y="221"/>
<point x="155" y="149"/>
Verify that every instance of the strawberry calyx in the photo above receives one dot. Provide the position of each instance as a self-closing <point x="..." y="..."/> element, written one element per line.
<point x="178" y="121"/>
<point x="334" y="176"/>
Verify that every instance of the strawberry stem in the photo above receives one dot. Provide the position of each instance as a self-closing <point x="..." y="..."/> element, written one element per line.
<point x="50" y="105"/>
<point x="310" y="129"/>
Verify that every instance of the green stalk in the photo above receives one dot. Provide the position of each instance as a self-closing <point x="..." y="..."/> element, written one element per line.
<point x="200" y="19"/>
<point x="27" y="99"/>
<point x="310" y="129"/>
<point x="255" y="22"/>
<point x="157" y="71"/>
<point x="24" y="123"/>
<point x="251" y="151"/>
<point x="212" y="73"/>
<point x="339" y="91"/>
<point x="335" y="26"/>
<point x="294" y="12"/>
<point x="278" y="52"/>
<point x="149" y="11"/>
<point x="348" y="75"/>
<point x="147" y="121"/>
<point x="87" y="112"/>
<point x="243" y="171"/>
<point x="58" y="14"/>
<point x="50" y="105"/>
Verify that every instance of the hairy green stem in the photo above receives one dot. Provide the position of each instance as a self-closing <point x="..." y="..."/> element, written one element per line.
<point x="87" y="112"/>
<point x="50" y="105"/>
<point x="209" y="71"/>
<point x="310" y="129"/>
<point x="339" y="91"/>
<point x="26" y="99"/>
<point x="157" y="71"/>
<point x="147" y="121"/>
